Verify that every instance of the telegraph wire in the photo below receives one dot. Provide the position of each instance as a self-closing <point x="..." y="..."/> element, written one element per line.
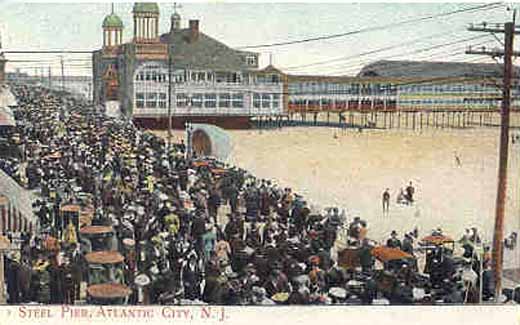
<point x="398" y="65"/>
<point x="375" y="51"/>
<point x="353" y="66"/>
<point x="488" y="6"/>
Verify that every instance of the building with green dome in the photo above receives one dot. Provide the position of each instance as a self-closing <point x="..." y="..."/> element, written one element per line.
<point x="210" y="82"/>
<point x="112" y="30"/>
<point x="112" y="21"/>
<point x="146" y="7"/>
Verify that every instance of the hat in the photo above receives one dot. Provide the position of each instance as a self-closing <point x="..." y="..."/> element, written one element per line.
<point x="128" y="242"/>
<point x="277" y="266"/>
<point x="154" y="270"/>
<point x="163" y="196"/>
<point x="142" y="280"/>
<point x="232" y="275"/>
<point x="338" y="293"/>
<point x="223" y="262"/>
<point x="259" y="291"/>
<point x="393" y="233"/>
<point x="280" y="297"/>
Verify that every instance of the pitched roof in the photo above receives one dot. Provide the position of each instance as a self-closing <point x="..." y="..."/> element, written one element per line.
<point x="426" y="69"/>
<point x="271" y="69"/>
<point x="205" y="52"/>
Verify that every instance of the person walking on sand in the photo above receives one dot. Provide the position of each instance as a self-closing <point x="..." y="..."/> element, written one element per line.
<point x="386" y="201"/>
<point x="457" y="159"/>
<point x="410" y="191"/>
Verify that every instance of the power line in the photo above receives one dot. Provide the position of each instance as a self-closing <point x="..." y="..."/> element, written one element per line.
<point x="47" y="60"/>
<point x="47" y="52"/>
<point x="382" y="49"/>
<point x="416" y="51"/>
<point x="489" y="6"/>
<point x="396" y="65"/>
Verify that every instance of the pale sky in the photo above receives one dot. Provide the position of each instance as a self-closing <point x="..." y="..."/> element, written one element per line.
<point x="77" y="26"/>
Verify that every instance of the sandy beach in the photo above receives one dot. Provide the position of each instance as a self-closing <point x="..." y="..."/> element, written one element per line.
<point x="351" y="170"/>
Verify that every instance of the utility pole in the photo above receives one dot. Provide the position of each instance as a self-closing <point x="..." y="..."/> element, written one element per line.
<point x="498" y="236"/>
<point x="62" y="74"/>
<point x="50" y="77"/>
<point x="170" y="89"/>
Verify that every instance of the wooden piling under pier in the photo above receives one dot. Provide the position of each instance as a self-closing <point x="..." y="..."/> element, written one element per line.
<point x="385" y="119"/>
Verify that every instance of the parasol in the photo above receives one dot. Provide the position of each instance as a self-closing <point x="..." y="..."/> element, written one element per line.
<point x="70" y="208"/>
<point x="55" y="155"/>
<point x="280" y="297"/>
<point x="437" y="240"/>
<point x="104" y="257"/>
<point x="108" y="291"/>
<point x="200" y="163"/>
<point x="95" y="230"/>
<point x="386" y="254"/>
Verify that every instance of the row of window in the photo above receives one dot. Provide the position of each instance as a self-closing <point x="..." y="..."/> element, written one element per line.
<point x="388" y="89"/>
<point x="331" y="102"/>
<point x="268" y="79"/>
<point x="151" y="76"/>
<point x="324" y="102"/>
<point x="340" y="88"/>
<point x="210" y="100"/>
<point x="206" y="100"/>
<point x="266" y="100"/>
<point x="151" y="100"/>
<point x="182" y="76"/>
<point x="151" y="96"/>
<point x="427" y="101"/>
<point x="456" y="88"/>
<point x="449" y="101"/>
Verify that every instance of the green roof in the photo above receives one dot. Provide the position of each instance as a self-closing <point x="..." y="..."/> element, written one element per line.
<point x="112" y="21"/>
<point x="146" y="7"/>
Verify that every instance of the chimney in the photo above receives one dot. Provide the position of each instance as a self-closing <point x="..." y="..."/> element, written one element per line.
<point x="194" y="30"/>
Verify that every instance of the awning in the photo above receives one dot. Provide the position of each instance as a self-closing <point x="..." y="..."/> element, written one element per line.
<point x="7" y="98"/>
<point x="7" y="117"/>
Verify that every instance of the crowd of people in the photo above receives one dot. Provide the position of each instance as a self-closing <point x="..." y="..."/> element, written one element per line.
<point x="195" y="230"/>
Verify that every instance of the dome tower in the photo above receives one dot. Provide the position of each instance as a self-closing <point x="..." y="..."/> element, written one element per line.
<point x="175" y="19"/>
<point x="112" y="30"/>
<point x="146" y="21"/>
